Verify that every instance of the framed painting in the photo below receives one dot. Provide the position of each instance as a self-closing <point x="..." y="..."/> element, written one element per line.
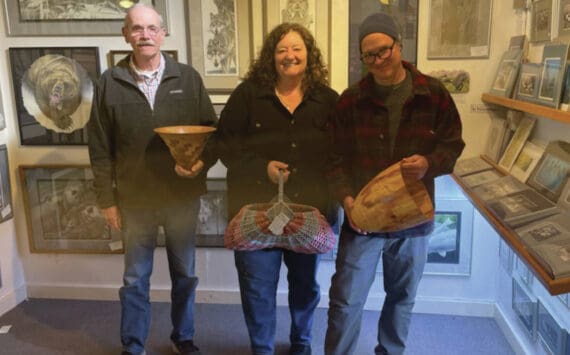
<point x="541" y="20"/>
<point x="212" y="217"/>
<point x="61" y="211"/>
<point x="552" y="78"/>
<point x="526" y="161"/>
<point x="564" y="19"/>
<point x="53" y="89"/>
<point x="6" y="211"/>
<point x="529" y="81"/>
<point x="70" y="18"/>
<point x="220" y="45"/>
<point x="507" y="73"/>
<point x="459" y="29"/>
<point x="506" y="256"/>
<point x="2" y="118"/>
<point x="523" y="272"/>
<point x="550" y="331"/>
<point x="517" y="142"/>
<point x="406" y="14"/>
<point x="565" y="99"/>
<point x="551" y="174"/>
<point x="115" y="57"/>
<point x="525" y="305"/>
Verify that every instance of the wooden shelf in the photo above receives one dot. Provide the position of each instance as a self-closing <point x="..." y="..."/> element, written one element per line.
<point x="534" y="109"/>
<point x="554" y="286"/>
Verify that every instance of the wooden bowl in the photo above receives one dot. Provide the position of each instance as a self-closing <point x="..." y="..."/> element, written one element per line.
<point x="185" y="143"/>
<point x="388" y="203"/>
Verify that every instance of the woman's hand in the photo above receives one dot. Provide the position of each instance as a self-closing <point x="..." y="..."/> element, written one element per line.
<point x="273" y="168"/>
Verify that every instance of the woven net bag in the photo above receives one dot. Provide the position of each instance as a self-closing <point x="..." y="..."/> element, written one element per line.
<point x="295" y="227"/>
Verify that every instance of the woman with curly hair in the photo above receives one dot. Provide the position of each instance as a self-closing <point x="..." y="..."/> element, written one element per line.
<point x="276" y="120"/>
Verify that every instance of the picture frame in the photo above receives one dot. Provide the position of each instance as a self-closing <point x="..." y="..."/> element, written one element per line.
<point x="206" y="52"/>
<point x="525" y="306"/>
<point x="517" y="142"/>
<point x="471" y="165"/>
<point x="115" y="56"/>
<point x="552" y="77"/>
<point x="565" y="98"/>
<point x="564" y="18"/>
<point x="527" y="161"/>
<point x="550" y="332"/>
<point x="480" y="178"/>
<point x="507" y="73"/>
<point x="541" y="20"/>
<point x="61" y="211"/>
<point x="551" y="174"/>
<point x="407" y="18"/>
<point x="450" y="244"/>
<point x="528" y="82"/>
<point x="497" y="132"/>
<point x="77" y="20"/>
<point x="523" y="272"/>
<point x="6" y="211"/>
<point x="564" y="199"/>
<point x="40" y="121"/>
<point x="2" y="118"/>
<point x="459" y="29"/>
<point x="506" y="256"/>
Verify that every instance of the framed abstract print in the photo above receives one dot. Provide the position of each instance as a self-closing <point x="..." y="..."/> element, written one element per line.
<point x="70" y="18"/>
<point x="53" y="88"/>
<point x="61" y="211"/>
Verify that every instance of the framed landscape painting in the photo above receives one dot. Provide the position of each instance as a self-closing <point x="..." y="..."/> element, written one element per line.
<point x="53" y="88"/>
<point x="61" y="211"/>
<point x="70" y="18"/>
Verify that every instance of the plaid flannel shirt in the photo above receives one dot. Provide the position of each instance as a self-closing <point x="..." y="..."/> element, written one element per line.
<point x="359" y="131"/>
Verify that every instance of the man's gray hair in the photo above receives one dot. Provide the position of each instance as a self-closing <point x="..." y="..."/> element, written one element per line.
<point x="139" y="5"/>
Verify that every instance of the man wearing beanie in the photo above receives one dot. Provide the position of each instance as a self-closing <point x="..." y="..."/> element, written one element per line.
<point x="394" y="114"/>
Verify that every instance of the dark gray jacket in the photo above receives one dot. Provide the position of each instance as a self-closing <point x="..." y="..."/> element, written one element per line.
<point x="132" y="165"/>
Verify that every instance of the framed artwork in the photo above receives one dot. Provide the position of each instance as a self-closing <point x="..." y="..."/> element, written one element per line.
<point x="565" y="99"/>
<point x="480" y="178"/>
<point x="517" y="142"/>
<point x="53" y="89"/>
<point x="550" y="332"/>
<point x="526" y="161"/>
<point x="220" y="45"/>
<point x="406" y="14"/>
<point x="550" y="177"/>
<point x="115" y="56"/>
<point x="2" y="118"/>
<point x="564" y="18"/>
<point x="70" y="18"/>
<point x="61" y="211"/>
<point x="497" y="132"/>
<point x="564" y="199"/>
<point x="525" y="306"/>
<point x="6" y="211"/>
<point x="507" y="73"/>
<point x="552" y="78"/>
<point x="541" y="20"/>
<point x="506" y="256"/>
<point x="455" y="81"/>
<point x="523" y="272"/>
<point x="459" y="29"/>
<point x="529" y="81"/>
<point x="449" y="249"/>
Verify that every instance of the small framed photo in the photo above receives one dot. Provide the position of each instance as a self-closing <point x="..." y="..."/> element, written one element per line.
<point x="70" y="18"/>
<point x="480" y="178"/>
<point x="529" y="81"/>
<point x="220" y="45"/>
<point x="565" y="98"/>
<point x="517" y="142"/>
<point x="459" y="29"/>
<point x="524" y="272"/>
<point x="541" y="20"/>
<point x="53" y="88"/>
<point x="506" y="256"/>
<point x="551" y="80"/>
<point x="564" y="18"/>
<point x="115" y="57"/>
<point x="525" y="306"/>
<point x="550" y="332"/>
<point x="507" y="73"/>
<point x="6" y="211"/>
<point x="551" y="174"/>
<point x="526" y="161"/>
<point x="61" y="211"/>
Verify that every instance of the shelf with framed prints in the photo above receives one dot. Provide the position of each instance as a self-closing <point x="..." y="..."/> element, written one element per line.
<point x="554" y="286"/>
<point x="528" y="107"/>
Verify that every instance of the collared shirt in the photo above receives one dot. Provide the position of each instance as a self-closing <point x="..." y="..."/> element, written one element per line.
<point x="148" y="81"/>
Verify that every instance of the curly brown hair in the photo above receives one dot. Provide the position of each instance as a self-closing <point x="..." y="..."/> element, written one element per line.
<point x="263" y="71"/>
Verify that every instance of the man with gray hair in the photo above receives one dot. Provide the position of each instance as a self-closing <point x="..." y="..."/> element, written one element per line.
<point x="138" y="185"/>
<point x="395" y="114"/>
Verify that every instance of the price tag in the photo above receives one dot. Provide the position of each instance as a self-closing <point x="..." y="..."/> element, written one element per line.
<point x="278" y="223"/>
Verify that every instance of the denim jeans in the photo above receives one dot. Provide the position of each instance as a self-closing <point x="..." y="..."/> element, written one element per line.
<point x="258" y="274"/>
<point x="403" y="261"/>
<point x="139" y="227"/>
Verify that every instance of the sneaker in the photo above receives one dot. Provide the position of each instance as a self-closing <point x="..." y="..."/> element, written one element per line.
<point x="300" y="349"/>
<point x="186" y="347"/>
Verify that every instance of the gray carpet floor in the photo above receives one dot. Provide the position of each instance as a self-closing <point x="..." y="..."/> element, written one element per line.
<point x="44" y="326"/>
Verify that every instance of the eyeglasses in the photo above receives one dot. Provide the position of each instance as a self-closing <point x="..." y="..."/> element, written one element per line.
<point x="382" y="53"/>
<point x="150" y="30"/>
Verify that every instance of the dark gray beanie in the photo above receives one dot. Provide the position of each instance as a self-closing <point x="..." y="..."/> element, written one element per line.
<point x="379" y="23"/>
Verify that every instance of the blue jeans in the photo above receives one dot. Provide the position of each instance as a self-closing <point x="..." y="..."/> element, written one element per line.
<point x="403" y="261"/>
<point x="139" y="229"/>
<point x="258" y="273"/>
